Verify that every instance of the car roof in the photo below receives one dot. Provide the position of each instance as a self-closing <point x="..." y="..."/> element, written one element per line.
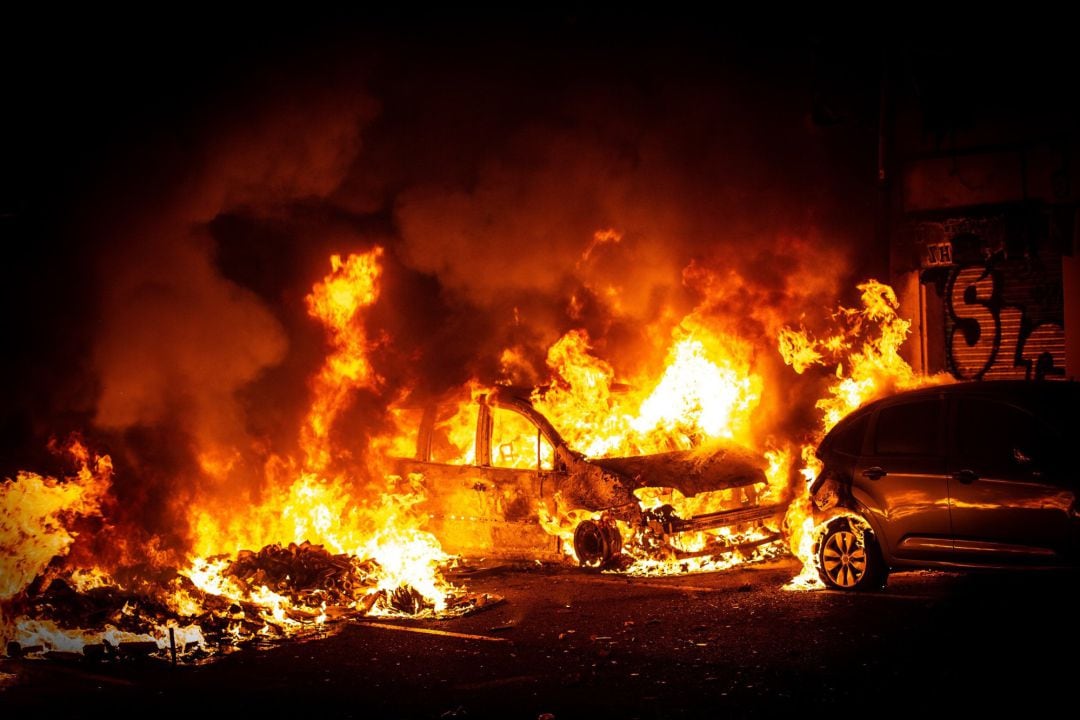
<point x="1021" y="392"/>
<point x="1052" y="400"/>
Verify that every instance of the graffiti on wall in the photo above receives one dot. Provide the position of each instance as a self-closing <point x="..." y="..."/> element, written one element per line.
<point x="1000" y="324"/>
<point x="1003" y="303"/>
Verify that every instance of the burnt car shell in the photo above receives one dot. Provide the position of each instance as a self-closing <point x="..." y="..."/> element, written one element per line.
<point x="483" y="508"/>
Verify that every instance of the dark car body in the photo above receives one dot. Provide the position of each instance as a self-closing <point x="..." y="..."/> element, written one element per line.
<point x="959" y="476"/>
<point x="489" y="503"/>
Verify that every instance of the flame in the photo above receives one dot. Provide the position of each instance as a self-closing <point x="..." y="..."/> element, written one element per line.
<point x="865" y="348"/>
<point x="698" y="396"/>
<point x="365" y="542"/>
<point x="337" y="301"/>
<point x="867" y="342"/>
<point x="37" y="515"/>
<point x="706" y="391"/>
<point x="609" y="236"/>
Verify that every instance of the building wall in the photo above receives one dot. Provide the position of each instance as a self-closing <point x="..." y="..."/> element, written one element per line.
<point x="983" y="249"/>
<point x="990" y="295"/>
<point x="981" y="150"/>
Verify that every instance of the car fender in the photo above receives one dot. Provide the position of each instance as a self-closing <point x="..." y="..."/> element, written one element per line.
<point x="862" y="504"/>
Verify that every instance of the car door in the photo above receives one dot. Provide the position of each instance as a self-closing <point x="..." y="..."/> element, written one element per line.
<point x="518" y="464"/>
<point x="485" y="470"/>
<point x="1008" y="500"/>
<point x="900" y="478"/>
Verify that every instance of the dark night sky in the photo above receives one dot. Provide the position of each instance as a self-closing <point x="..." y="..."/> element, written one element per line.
<point x="111" y="137"/>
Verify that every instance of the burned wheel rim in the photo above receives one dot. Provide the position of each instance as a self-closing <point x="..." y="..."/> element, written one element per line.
<point x="596" y="543"/>
<point x="843" y="558"/>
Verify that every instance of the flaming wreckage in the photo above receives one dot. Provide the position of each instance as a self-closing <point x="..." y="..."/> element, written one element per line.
<point x="520" y="492"/>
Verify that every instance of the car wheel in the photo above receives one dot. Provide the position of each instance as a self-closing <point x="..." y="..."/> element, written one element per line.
<point x="597" y="543"/>
<point x="849" y="558"/>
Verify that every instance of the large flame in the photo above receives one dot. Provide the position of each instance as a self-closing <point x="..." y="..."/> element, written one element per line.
<point x="338" y="302"/>
<point x="311" y="536"/>
<point x="363" y="546"/>
<point x="304" y="502"/>
<point x="38" y="516"/>
<point x="705" y="391"/>
<point x="865" y="349"/>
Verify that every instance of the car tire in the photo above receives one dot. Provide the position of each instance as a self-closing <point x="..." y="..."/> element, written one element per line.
<point x="849" y="557"/>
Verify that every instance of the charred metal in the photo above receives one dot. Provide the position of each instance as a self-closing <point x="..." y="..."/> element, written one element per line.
<point x="483" y="508"/>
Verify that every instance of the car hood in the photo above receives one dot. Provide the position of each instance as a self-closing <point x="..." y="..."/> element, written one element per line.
<point x="691" y="471"/>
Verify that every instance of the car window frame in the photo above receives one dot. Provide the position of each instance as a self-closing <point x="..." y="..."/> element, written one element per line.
<point x="845" y="427"/>
<point x="1048" y="468"/>
<point x="490" y="410"/>
<point x="870" y="445"/>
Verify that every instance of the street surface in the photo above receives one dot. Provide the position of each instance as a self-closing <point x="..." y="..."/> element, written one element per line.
<point x="567" y="643"/>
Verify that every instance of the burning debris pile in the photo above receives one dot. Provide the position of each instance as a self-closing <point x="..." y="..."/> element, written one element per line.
<point x="213" y="605"/>
<point x="329" y="547"/>
<point x="306" y="574"/>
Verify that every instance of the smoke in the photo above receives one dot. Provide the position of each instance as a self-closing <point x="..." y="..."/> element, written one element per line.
<point x="178" y="341"/>
<point x="522" y="188"/>
<point x="611" y="196"/>
<point x="623" y="208"/>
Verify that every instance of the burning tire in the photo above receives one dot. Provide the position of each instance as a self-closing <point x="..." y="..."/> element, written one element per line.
<point x="849" y="558"/>
<point x="597" y="543"/>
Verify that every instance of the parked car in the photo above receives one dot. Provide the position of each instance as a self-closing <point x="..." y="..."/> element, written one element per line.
<point x="492" y="465"/>
<point x="970" y="475"/>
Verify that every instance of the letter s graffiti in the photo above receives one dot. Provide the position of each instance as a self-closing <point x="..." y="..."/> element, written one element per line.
<point x="975" y="338"/>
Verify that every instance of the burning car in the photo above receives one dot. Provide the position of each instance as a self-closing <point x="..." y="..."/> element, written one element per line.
<point x="953" y="476"/>
<point x="501" y="482"/>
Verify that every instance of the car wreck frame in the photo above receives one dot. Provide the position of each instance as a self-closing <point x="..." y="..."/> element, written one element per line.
<point x="481" y="509"/>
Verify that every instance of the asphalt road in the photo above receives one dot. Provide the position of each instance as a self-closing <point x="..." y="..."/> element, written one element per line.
<point x="570" y="644"/>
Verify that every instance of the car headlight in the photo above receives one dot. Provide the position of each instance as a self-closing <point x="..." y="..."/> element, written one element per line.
<point x="827" y="496"/>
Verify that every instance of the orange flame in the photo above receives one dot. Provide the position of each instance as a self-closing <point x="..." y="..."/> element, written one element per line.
<point x="337" y="302"/>
<point x="37" y="513"/>
<point x="707" y="391"/>
<point x="866" y="350"/>
<point x="373" y="538"/>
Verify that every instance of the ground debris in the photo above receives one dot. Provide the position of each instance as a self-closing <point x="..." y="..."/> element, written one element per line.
<point x="307" y="574"/>
<point x="277" y="593"/>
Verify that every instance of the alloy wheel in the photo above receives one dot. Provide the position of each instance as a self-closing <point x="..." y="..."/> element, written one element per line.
<point x="844" y="558"/>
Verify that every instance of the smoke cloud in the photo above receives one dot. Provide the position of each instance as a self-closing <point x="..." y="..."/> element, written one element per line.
<point x="178" y="340"/>
<point x="522" y="186"/>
